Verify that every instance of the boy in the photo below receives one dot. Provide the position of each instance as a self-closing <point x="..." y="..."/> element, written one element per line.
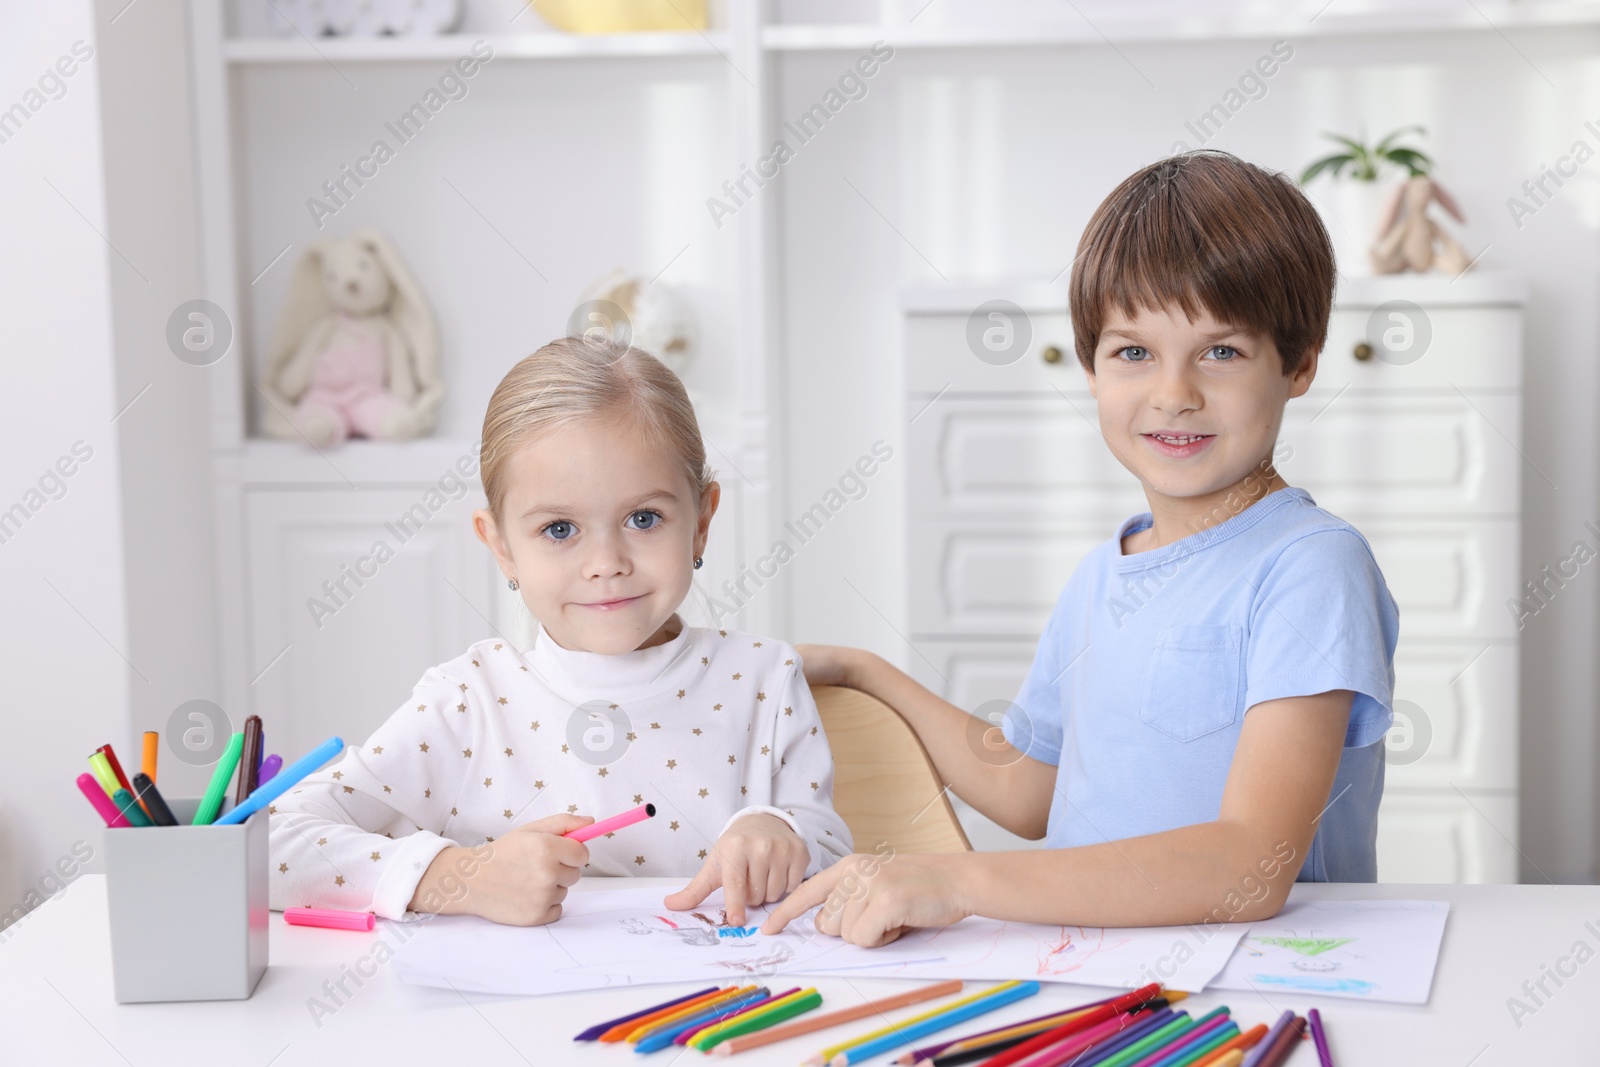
<point x="1204" y="718"/>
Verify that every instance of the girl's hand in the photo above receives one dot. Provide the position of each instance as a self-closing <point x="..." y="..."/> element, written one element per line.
<point x="757" y="861"/>
<point x="872" y="900"/>
<point x="519" y="879"/>
<point x="830" y="664"/>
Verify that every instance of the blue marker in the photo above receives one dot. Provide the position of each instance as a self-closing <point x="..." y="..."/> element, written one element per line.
<point x="282" y="781"/>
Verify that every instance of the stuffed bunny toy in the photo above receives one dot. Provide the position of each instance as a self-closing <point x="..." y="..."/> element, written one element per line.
<point x="1407" y="237"/>
<point x="355" y="352"/>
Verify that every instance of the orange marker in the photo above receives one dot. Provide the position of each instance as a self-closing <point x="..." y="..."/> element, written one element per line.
<point x="639" y="1028"/>
<point x="1247" y="1040"/>
<point x="151" y="747"/>
<point x="627" y="1026"/>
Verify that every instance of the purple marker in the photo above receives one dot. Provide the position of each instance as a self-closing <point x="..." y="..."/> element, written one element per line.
<point x="269" y="767"/>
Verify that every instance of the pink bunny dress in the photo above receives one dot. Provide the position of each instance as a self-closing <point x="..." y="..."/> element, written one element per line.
<point x="348" y="382"/>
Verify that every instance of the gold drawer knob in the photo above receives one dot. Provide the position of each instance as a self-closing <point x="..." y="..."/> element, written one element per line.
<point x="1363" y="351"/>
<point x="1051" y="354"/>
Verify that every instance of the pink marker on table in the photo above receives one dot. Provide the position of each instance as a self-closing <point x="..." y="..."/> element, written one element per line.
<point x="616" y="822"/>
<point x="331" y="918"/>
<point x="91" y="788"/>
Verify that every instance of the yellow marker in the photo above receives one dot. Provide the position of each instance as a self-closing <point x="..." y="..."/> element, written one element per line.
<point x="104" y="774"/>
<point x="684" y="1013"/>
<point x="829" y="1053"/>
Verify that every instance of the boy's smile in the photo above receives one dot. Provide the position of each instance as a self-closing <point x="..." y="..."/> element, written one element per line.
<point x="1192" y="409"/>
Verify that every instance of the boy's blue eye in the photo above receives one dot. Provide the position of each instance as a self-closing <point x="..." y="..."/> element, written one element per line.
<point x="1134" y="354"/>
<point x="1222" y="353"/>
<point x="559" y="530"/>
<point x="646" y="519"/>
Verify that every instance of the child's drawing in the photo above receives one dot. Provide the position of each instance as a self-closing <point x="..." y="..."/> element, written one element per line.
<point x="1313" y="955"/>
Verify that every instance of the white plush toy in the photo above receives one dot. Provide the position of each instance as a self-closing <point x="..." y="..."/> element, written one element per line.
<point x="355" y="353"/>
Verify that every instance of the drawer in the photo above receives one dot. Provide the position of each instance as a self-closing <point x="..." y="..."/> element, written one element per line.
<point x="1439" y="349"/>
<point x="1447" y="837"/>
<point x="1412" y="454"/>
<point x="1456" y="716"/>
<point x="971" y="578"/>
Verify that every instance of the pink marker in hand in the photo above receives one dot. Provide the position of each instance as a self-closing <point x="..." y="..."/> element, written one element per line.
<point x="616" y="822"/>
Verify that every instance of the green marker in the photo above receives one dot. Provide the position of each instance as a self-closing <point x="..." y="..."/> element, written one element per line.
<point x="130" y="808"/>
<point x="1143" y="1047"/>
<point x="211" y="803"/>
<point x="758" y="1020"/>
<point x="1213" y="1041"/>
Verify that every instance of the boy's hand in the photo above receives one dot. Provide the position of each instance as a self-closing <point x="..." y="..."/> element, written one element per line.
<point x="872" y="900"/>
<point x="829" y="664"/>
<point x="758" y="860"/>
<point x="519" y="879"/>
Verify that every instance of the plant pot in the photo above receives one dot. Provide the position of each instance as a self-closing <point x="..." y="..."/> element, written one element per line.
<point x="1352" y="211"/>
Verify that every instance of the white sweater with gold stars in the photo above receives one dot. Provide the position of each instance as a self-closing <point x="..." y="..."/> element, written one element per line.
<point x="707" y="726"/>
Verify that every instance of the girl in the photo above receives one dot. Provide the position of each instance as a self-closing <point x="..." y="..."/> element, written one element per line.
<point x="599" y="506"/>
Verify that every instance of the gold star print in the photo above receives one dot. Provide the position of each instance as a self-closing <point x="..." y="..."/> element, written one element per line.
<point x="737" y="676"/>
<point x="508" y="752"/>
<point x="680" y="694"/>
<point x="503" y="700"/>
<point x="538" y="783"/>
<point x="604" y="772"/>
<point x="487" y="782"/>
<point x="633" y="737"/>
<point x="765" y="751"/>
<point x="386" y="789"/>
<point x="339" y="880"/>
<point x="639" y="860"/>
<point x="467" y="753"/>
<point x="349" y="789"/>
<point x="673" y="825"/>
<point x="756" y="644"/>
<point x="490" y="838"/>
<point x="572" y="809"/>
<point x="283" y="868"/>
<point x="422" y="707"/>
<point x="760" y="695"/>
<point x="507" y="813"/>
<point x="534" y="725"/>
<point x="783" y="761"/>
<point x="461" y="708"/>
<point x="788" y="710"/>
<point x="474" y="663"/>
<point x="813" y="731"/>
<point x="704" y="661"/>
<point x="702" y="854"/>
<point x="724" y="633"/>
<point x="732" y="760"/>
<point x="672" y="764"/>
<point x="272" y="809"/>
<point x="322" y="840"/>
<point x="814" y="785"/>
<point x="426" y="793"/>
<point x="697" y="731"/>
<point x="498" y="647"/>
<point x="716" y="707"/>
<point x="376" y="856"/>
<point x="638" y="798"/>
<point x="563" y="748"/>
<point x="452" y="811"/>
<point x="423" y="746"/>
<point x="655" y="726"/>
<point x="463" y="687"/>
<point x="704" y="793"/>
<point x="521" y="668"/>
<point x="377" y="750"/>
<point x="337" y="775"/>
<point x="743" y="789"/>
<point x="788" y="663"/>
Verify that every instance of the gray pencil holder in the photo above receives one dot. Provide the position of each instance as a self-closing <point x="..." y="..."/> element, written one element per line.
<point x="188" y="907"/>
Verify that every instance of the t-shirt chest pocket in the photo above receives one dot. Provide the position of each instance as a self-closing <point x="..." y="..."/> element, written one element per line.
<point x="1193" y="685"/>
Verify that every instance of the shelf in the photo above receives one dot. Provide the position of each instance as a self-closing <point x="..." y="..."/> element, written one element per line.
<point x="1179" y="25"/>
<point x="359" y="464"/>
<point x="714" y="44"/>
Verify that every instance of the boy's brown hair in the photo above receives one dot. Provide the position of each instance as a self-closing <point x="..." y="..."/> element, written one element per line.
<point x="1206" y="230"/>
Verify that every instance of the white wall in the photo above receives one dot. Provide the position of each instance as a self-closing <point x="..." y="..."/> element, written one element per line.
<point x="967" y="163"/>
<point x="64" y="634"/>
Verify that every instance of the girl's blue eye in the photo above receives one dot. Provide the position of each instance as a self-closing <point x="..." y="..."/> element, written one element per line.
<point x="559" y="530"/>
<point x="1222" y="353"/>
<point x="1134" y="354"/>
<point x="648" y="519"/>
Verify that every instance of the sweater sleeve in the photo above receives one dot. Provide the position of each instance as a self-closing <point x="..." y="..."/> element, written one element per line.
<point x="360" y="834"/>
<point x="802" y="774"/>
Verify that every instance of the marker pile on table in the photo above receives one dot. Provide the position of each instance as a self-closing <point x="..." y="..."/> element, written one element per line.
<point x="1135" y="1029"/>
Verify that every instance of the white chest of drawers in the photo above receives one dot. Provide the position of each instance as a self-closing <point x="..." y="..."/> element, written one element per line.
<point x="1010" y="485"/>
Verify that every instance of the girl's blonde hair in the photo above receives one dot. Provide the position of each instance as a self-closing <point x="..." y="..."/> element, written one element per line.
<point x="574" y="378"/>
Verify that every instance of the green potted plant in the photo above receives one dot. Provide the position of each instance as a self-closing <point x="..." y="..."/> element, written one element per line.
<point x="1351" y="209"/>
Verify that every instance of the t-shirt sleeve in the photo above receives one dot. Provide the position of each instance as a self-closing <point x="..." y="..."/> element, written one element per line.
<point x="1323" y="619"/>
<point x="1033" y="721"/>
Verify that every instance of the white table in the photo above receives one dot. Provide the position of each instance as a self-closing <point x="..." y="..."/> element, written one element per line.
<point x="56" y="1003"/>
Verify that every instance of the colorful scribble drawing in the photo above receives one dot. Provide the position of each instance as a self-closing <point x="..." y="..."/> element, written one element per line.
<point x="705" y="932"/>
<point x="1316" y="957"/>
<point x="1072" y="948"/>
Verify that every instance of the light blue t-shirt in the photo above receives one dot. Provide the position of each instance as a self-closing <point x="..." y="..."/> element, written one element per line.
<point x="1141" y="681"/>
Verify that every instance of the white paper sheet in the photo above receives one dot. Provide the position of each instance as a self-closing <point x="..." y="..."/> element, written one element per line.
<point x="1363" y="949"/>
<point x="626" y="937"/>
